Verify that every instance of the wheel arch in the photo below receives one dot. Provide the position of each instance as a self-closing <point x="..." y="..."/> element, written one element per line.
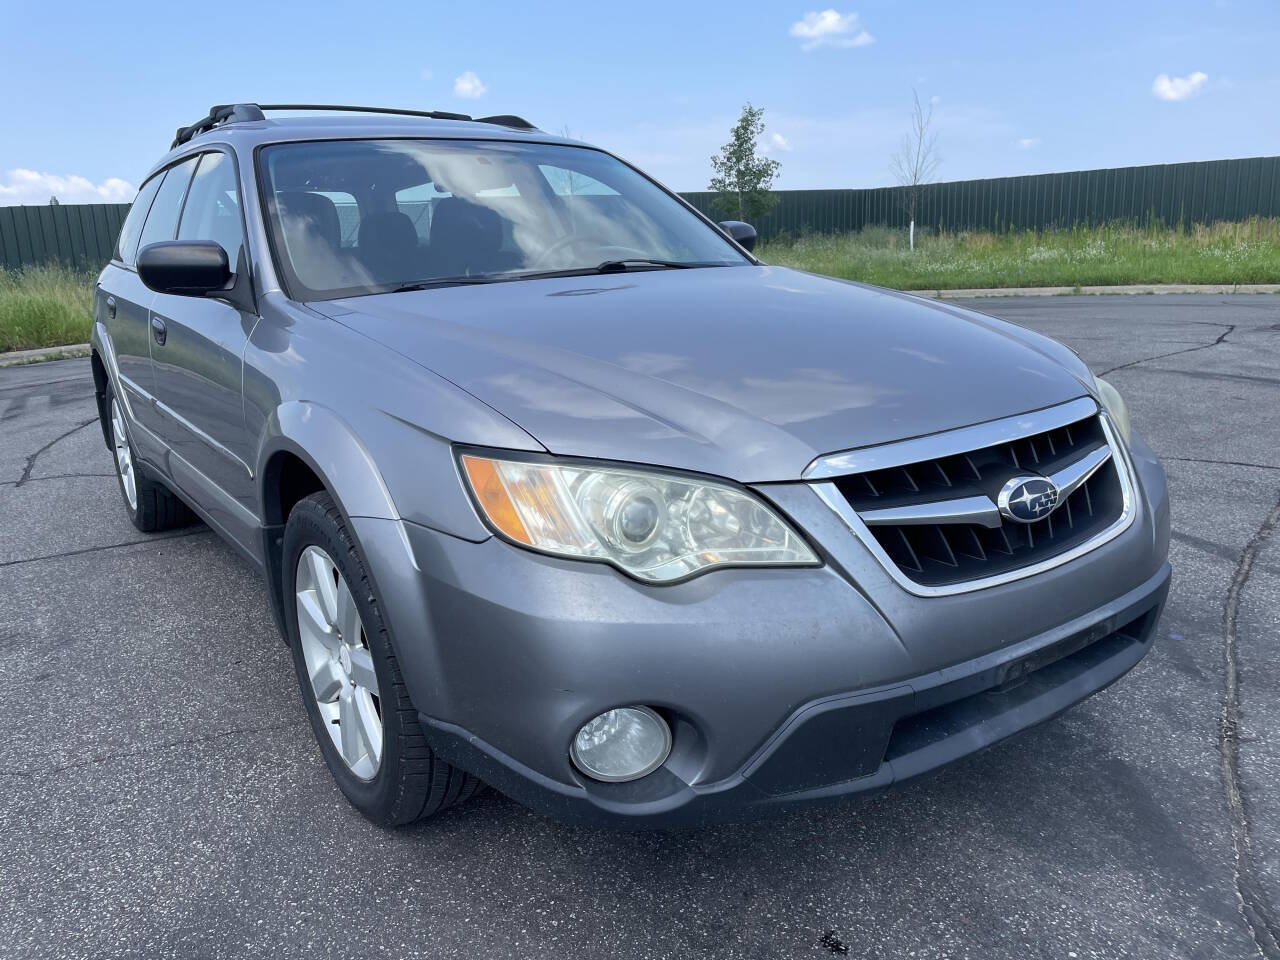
<point x="100" y="382"/>
<point x="311" y="449"/>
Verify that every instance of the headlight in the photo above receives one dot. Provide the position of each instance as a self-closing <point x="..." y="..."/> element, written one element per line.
<point x="1115" y="407"/>
<point x="654" y="526"/>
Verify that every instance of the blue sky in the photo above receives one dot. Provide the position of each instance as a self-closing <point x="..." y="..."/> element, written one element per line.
<point x="94" y="91"/>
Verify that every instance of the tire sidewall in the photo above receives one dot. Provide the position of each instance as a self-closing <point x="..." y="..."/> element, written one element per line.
<point x="310" y="524"/>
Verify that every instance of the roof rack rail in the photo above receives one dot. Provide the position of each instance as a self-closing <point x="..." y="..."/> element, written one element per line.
<point x="243" y="112"/>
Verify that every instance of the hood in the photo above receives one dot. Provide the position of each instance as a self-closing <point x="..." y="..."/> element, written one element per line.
<point x="746" y="372"/>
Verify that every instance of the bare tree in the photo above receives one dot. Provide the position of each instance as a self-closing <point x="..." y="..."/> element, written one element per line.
<point x="917" y="160"/>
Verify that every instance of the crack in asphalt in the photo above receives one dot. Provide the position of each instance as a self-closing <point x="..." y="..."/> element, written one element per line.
<point x="1231" y="328"/>
<point x="31" y="460"/>
<point x="56" y="476"/>
<point x="1220" y="550"/>
<point x="52" y="772"/>
<point x="1253" y="903"/>
<point x="1224" y="463"/>
<point x="108" y="546"/>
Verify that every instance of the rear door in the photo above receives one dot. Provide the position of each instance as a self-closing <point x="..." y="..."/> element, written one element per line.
<point x="197" y="352"/>
<point x="122" y="305"/>
<point x="161" y="224"/>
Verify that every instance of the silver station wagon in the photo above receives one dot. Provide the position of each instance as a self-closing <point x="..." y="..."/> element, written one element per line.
<point x="554" y="486"/>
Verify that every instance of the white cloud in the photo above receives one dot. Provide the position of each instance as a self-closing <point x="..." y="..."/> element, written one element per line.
<point x="1027" y="143"/>
<point x="830" y="29"/>
<point x="1178" y="88"/>
<point x="34" y="187"/>
<point x="469" y="86"/>
<point x="778" y="142"/>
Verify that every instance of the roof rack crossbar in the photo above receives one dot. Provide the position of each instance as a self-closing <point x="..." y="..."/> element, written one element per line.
<point x="218" y="114"/>
<point x="242" y="112"/>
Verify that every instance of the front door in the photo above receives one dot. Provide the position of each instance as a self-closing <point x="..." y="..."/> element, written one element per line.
<point x="197" y="350"/>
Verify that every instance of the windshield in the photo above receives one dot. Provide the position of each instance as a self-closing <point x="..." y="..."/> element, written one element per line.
<point x="350" y="217"/>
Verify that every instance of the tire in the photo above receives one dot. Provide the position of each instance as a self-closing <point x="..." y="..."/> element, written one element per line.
<point x="408" y="781"/>
<point x="150" y="504"/>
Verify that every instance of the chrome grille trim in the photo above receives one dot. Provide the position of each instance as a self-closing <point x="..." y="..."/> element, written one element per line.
<point x="983" y="510"/>
<point x="1074" y="475"/>
<point x="943" y="445"/>
<point x="935" y="445"/>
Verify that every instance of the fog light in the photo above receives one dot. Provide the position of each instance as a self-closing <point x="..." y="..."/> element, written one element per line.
<point x="621" y="744"/>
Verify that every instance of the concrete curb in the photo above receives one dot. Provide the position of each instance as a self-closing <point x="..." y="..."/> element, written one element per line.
<point x="19" y="357"/>
<point x="1136" y="289"/>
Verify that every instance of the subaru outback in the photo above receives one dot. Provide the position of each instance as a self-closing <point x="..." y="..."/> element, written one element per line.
<point x="553" y="485"/>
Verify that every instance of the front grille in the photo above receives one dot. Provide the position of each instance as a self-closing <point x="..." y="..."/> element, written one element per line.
<point x="952" y="551"/>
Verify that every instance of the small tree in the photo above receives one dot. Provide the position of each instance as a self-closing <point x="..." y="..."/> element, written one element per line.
<point x="741" y="178"/>
<point x="916" y="161"/>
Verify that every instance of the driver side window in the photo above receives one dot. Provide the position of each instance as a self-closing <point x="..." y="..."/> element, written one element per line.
<point x="212" y="210"/>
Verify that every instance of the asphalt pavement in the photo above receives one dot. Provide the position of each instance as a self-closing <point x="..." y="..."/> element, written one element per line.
<point x="161" y="795"/>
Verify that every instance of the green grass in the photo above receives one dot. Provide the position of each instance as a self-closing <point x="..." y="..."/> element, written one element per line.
<point x="50" y="306"/>
<point x="44" y="307"/>
<point x="1223" y="253"/>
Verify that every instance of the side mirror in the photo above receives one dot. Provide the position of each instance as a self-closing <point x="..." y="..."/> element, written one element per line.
<point x="187" y="268"/>
<point x="743" y="233"/>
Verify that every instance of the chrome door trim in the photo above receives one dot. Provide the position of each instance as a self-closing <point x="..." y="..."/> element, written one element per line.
<point x="839" y="505"/>
<point x="186" y="424"/>
<point x="178" y="464"/>
<point x="130" y="384"/>
<point x="949" y="443"/>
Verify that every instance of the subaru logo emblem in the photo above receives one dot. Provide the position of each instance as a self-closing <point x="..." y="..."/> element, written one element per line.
<point x="1028" y="499"/>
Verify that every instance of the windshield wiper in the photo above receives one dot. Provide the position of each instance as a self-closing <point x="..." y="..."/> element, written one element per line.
<point x="443" y="282"/>
<point x="621" y="266"/>
<point x="608" y="266"/>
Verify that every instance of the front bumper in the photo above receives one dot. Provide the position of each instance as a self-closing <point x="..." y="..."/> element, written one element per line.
<point x="856" y="743"/>
<point x="780" y="685"/>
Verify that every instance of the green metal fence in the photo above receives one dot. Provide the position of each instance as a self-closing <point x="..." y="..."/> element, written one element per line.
<point x="1174" y="193"/>
<point x="1177" y="193"/>
<point x="81" y="234"/>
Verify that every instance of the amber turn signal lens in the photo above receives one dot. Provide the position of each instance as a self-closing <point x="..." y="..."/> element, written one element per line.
<point x="494" y="499"/>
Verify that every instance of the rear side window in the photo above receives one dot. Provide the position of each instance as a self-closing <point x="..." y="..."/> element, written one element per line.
<point x="212" y="210"/>
<point x="127" y="242"/>
<point x="162" y="221"/>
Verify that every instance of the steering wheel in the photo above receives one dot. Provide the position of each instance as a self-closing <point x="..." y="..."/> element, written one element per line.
<point x="608" y="251"/>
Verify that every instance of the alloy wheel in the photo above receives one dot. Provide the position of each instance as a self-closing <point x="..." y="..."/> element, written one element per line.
<point x="339" y="662"/>
<point x="124" y="456"/>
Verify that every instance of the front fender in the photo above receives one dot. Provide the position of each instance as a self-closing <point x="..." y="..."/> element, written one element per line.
<point x="329" y="446"/>
<point x="325" y="442"/>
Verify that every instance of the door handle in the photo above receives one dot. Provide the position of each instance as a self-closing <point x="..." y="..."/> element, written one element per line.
<point x="159" y="331"/>
<point x="111" y="308"/>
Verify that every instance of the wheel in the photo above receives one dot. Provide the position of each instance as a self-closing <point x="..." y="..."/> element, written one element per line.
<point x="355" y="696"/>
<point x="151" y="505"/>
